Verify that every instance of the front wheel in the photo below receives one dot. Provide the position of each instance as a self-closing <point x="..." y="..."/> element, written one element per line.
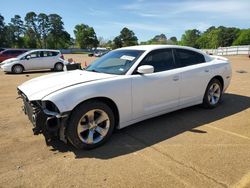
<point x="213" y="94"/>
<point x="17" y="69"/>
<point x="90" y="125"/>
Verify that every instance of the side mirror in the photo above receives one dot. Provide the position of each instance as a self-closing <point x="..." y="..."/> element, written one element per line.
<point x="27" y="57"/>
<point x="145" y="69"/>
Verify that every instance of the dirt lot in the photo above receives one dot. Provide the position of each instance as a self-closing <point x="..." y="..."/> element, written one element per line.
<point x="192" y="147"/>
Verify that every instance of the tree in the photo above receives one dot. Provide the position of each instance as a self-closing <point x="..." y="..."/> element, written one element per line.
<point x="243" y="38"/>
<point x="117" y="42"/>
<point x="190" y="37"/>
<point x="16" y="29"/>
<point x="2" y="32"/>
<point x="30" y="39"/>
<point x="226" y="35"/>
<point x="43" y="28"/>
<point x="209" y="39"/>
<point x="31" y="20"/>
<point x="173" y="39"/>
<point x="85" y="36"/>
<point x="57" y="36"/>
<point x="126" y="38"/>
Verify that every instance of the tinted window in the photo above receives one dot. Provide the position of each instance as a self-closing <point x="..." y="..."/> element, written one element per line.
<point x="188" y="57"/>
<point x="161" y="60"/>
<point x="48" y="54"/>
<point x="13" y="52"/>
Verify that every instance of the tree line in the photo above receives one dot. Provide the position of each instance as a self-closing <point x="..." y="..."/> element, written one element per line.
<point x="47" y="31"/>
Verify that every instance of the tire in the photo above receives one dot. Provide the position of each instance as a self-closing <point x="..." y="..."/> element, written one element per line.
<point x="83" y="131"/>
<point x="17" y="69"/>
<point x="58" y="67"/>
<point x="213" y="94"/>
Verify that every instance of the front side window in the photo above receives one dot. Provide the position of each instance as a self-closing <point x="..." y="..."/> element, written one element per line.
<point x="161" y="60"/>
<point x="34" y="55"/>
<point x="188" y="57"/>
<point x="115" y="62"/>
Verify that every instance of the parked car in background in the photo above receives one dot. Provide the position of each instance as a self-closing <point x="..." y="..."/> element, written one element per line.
<point x="35" y="60"/>
<point x="121" y="88"/>
<point x="10" y="53"/>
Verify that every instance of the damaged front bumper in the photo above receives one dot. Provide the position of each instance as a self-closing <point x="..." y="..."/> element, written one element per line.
<point x="49" y="122"/>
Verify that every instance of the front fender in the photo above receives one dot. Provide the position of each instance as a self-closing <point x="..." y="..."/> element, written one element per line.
<point x="118" y="90"/>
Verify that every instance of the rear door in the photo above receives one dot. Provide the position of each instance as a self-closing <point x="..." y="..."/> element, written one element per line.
<point x="195" y="75"/>
<point x="50" y="58"/>
<point x="159" y="91"/>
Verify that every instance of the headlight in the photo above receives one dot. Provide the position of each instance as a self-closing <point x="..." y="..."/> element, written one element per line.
<point x="50" y="106"/>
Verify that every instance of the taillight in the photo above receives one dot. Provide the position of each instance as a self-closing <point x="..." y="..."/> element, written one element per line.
<point x="61" y="56"/>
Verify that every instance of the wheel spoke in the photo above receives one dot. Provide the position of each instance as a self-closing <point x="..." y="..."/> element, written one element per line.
<point x="101" y="131"/>
<point x="91" y="115"/>
<point x="101" y="119"/>
<point x="209" y="97"/>
<point x="213" y="100"/>
<point x="90" y="137"/>
<point x="81" y="128"/>
<point x="217" y="95"/>
<point x="215" y="88"/>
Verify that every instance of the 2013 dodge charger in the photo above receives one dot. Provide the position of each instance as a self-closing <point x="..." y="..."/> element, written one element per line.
<point x="121" y="88"/>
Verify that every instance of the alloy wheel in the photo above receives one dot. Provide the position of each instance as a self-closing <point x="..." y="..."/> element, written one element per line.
<point x="93" y="126"/>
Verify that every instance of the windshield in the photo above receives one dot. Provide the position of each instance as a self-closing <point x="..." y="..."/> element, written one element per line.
<point x="22" y="55"/>
<point x="115" y="62"/>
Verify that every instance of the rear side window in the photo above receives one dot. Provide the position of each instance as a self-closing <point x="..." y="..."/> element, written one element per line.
<point x="55" y="53"/>
<point x="161" y="60"/>
<point x="188" y="57"/>
<point x="49" y="53"/>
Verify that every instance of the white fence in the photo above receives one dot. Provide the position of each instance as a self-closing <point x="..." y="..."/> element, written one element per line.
<point x="232" y="50"/>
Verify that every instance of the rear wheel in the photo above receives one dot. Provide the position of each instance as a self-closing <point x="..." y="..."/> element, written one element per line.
<point x="17" y="69"/>
<point x="91" y="124"/>
<point x="58" y="67"/>
<point x="213" y="94"/>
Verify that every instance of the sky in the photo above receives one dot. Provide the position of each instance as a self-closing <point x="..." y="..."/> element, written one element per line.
<point x="146" y="18"/>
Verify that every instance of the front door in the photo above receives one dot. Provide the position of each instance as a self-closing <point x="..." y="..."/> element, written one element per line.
<point x="159" y="91"/>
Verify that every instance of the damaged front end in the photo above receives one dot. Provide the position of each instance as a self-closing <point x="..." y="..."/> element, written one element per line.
<point x="45" y="117"/>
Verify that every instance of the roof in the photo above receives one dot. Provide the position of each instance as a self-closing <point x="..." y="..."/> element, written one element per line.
<point x="155" y="47"/>
<point x="44" y="50"/>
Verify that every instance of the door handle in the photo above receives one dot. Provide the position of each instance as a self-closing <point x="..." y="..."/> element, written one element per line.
<point x="176" y="78"/>
<point x="206" y="70"/>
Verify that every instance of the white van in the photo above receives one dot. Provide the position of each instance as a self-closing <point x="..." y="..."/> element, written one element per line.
<point x="34" y="60"/>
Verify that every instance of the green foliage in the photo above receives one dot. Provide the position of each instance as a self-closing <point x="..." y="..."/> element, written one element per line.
<point x="190" y="37"/>
<point x="212" y="38"/>
<point x="85" y="36"/>
<point x="243" y="38"/>
<point x="16" y="28"/>
<point x="160" y="39"/>
<point x="2" y="32"/>
<point x="57" y="36"/>
<point x="126" y="38"/>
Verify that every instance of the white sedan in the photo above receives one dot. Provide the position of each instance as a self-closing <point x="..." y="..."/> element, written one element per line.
<point x="121" y="88"/>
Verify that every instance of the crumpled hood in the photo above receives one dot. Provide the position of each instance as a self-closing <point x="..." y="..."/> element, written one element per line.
<point x="38" y="88"/>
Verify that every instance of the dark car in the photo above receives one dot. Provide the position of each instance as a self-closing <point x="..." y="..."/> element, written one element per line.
<point x="10" y="53"/>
